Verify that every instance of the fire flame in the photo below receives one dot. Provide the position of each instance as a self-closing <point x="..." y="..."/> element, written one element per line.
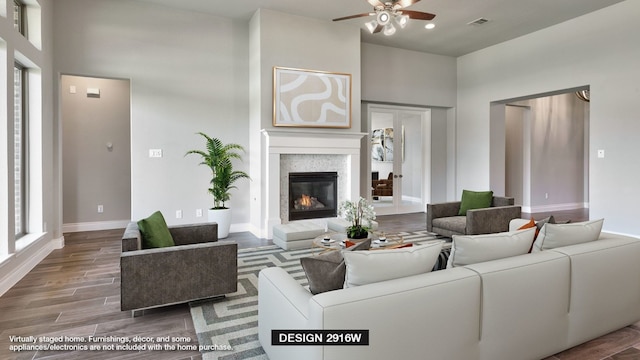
<point x="305" y="200"/>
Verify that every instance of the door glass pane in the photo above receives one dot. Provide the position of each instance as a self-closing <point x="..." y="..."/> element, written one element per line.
<point x="382" y="158"/>
<point x="409" y="160"/>
<point x="398" y="162"/>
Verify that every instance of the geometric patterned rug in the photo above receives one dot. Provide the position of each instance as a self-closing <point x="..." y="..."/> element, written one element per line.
<point x="229" y="326"/>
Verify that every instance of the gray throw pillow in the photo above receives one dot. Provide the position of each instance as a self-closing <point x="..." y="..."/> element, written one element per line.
<point x="326" y="272"/>
<point x="547" y="220"/>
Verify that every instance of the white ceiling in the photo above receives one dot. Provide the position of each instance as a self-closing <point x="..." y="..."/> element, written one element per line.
<point x="452" y="36"/>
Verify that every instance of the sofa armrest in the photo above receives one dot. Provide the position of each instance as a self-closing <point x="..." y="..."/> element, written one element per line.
<point x="282" y="304"/>
<point x="194" y="233"/>
<point x="491" y="220"/>
<point x="175" y="274"/>
<point x="441" y="210"/>
<point x="502" y="201"/>
<point x="131" y="240"/>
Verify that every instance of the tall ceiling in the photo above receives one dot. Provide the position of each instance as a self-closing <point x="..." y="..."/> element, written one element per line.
<point x="452" y="36"/>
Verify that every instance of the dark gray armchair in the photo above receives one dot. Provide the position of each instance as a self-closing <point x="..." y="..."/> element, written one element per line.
<point x="443" y="218"/>
<point x="197" y="267"/>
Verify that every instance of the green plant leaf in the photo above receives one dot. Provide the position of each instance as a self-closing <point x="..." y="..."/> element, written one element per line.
<point x="218" y="158"/>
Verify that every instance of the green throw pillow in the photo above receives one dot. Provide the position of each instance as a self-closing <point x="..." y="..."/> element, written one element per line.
<point x="475" y="200"/>
<point x="154" y="231"/>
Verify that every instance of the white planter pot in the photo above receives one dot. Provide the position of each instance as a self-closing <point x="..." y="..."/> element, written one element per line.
<point x="223" y="218"/>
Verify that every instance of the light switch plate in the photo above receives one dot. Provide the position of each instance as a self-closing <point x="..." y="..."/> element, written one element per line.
<point x="155" y="153"/>
<point x="600" y="154"/>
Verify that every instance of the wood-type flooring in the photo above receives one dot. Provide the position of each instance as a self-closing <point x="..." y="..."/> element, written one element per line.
<point x="75" y="291"/>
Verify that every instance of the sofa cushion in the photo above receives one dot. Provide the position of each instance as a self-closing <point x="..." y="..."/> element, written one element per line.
<point x="366" y="267"/>
<point x="557" y="235"/>
<point x="452" y="223"/>
<point x="471" y="249"/>
<point x="326" y="272"/>
<point x="155" y="232"/>
<point x="474" y="200"/>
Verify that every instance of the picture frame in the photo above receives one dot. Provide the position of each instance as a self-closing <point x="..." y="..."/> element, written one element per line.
<point x="311" y="98"/>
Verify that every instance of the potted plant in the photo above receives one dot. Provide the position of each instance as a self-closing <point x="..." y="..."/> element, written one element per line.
<point x="359" y="214"/>
<point x="217" y="157"/>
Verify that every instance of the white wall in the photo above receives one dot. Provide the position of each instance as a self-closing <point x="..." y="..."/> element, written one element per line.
<point x="188" y="73"/>
<point x="417" y="79"/>
<point x="407" y="77"/>
<point x="557" y="152"/>
<point x="555" y="130"/>
<point x="515" y="119"/>
<point x="600" y="50"/>
<point x="279" y="39"/>
<point x="18" y="257"/>
<point x="93" y="173"/>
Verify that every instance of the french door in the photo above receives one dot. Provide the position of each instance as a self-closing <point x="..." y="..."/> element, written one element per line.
<point x="400" y="158"/>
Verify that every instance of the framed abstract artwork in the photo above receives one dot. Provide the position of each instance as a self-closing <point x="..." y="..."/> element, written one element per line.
<point x="382" y="144"/>
<point x="311" y="98"/>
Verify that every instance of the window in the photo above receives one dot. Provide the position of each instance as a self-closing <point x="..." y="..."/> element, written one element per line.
<point x="19" y="11"/>
<point x="20" y="155"/>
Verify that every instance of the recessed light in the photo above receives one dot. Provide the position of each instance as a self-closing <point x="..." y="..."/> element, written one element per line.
<point x="430" y="26"/>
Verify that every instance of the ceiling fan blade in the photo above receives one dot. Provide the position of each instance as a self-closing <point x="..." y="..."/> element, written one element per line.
<point x="405" y="3"/>
<point x="418" y="15"/>
<point x="352" y="16"/>
<point x="377" y="3"/>
<point x="378" y="29"/>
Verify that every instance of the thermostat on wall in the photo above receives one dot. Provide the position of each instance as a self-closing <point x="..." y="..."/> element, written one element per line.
<point x="93" y="92"/>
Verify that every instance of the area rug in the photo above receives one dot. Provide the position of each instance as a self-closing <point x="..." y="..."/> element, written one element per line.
<point x="228" y="328"/>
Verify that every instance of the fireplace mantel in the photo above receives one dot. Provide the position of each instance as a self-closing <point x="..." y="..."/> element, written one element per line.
<point x="316" y="142"/>
<point x="285" y="142"/>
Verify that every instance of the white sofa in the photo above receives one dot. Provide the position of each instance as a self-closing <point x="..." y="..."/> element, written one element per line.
<point x="524" y="307"/>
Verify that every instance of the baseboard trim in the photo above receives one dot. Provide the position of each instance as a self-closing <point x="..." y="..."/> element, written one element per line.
<point x="242" y="227"/>
<point x="23" y="265"/>
<point x="554" y="207"/>
<point x="94" y="226"/>
<point x="58" y="243"/>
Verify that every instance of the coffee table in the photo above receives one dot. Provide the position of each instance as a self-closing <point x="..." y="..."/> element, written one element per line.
<point x="335" y="241"/>
<point x="385" y="241"/>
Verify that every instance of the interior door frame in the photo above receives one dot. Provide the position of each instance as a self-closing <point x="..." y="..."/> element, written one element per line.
<point x="425" y="170"/>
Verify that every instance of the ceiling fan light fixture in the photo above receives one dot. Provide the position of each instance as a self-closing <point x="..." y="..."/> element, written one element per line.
<point x="430" y="26"/>
<point x="371" y="25"/>
<point x="402" y="20"/>
<point x="389" y="29"/>
<point x="383" y="18"/>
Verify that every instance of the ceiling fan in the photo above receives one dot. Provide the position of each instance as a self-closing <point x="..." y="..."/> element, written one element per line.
<point x="387" y="11"/>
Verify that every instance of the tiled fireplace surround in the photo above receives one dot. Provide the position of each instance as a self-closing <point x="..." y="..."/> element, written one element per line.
<point x="300" y="151"/>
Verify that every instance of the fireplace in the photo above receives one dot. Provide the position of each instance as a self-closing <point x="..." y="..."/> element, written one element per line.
<point x="313" y="195"/>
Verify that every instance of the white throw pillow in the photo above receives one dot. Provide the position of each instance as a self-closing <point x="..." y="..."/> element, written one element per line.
<point x="366" y="267"/>
<point x="557" y="235"/>
<point x="471" y="249"/>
